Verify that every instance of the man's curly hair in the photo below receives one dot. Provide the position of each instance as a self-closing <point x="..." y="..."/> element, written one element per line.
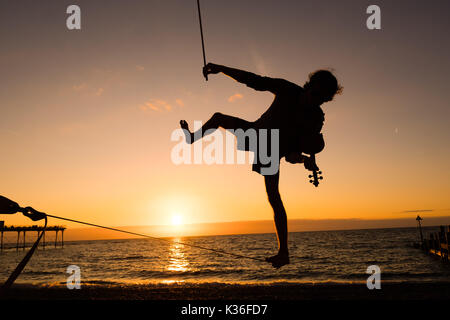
<point x="326" y="82"/>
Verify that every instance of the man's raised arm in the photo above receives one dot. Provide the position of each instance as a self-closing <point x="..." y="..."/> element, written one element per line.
<point x="250" y="79"/>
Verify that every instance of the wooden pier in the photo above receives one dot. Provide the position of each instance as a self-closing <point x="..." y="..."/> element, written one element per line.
<point x="438" y="242"/>
<point x="23" y="230"/>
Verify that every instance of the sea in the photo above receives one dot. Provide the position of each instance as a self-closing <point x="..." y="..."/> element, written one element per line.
<point x="316" y="257"/>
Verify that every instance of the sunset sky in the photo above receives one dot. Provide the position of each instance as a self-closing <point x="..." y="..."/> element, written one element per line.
<point x="87" y="115"/>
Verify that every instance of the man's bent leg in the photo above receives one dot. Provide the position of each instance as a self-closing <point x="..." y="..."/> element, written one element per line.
<point x="216" y="121"/>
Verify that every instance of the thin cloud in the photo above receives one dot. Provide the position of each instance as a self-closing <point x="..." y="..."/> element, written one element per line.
<point x="148" y="106"/>
<point x="152" y="106"/>
<point x="99" y="92"/>
<point x="85" y="89"/>
<point x="156" y="105"/>
<point x="179" y="102"/>
<point x="258" y="61"/>
<point x="140" y="68"/>
<point x="79" y="87"/>
<point x="163" y="104"/>
<point x="235" y="97"/>
<point x="417" y="211"/>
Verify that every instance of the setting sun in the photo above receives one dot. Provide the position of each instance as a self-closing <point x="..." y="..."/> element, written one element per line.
<point x="177" y="220"/>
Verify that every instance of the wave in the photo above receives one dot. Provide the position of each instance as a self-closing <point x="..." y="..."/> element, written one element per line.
<point x="136" y="257"/>
<point x="187" y="273"/>
<point x="392" y="275"/>
<point x="39" y="273"/>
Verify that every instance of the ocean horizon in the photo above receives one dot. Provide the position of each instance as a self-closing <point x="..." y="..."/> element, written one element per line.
<point x="75" y="232"/>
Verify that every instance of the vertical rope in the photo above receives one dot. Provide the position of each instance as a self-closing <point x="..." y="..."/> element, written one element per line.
<point x="23" y="263"/>
<point x="201" y="34"/>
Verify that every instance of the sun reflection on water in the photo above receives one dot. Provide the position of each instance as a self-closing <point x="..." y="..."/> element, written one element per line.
<point x="177" y="258"/>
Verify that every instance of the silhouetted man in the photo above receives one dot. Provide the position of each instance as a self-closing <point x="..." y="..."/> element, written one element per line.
<point x="296" y="113"/>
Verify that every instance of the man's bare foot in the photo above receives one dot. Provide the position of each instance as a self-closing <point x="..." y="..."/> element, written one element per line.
<point x="189" y="135"/>
<point x="278" y="260"/>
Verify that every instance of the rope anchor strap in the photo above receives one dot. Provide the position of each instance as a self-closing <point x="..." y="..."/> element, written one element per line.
<point x="24" y="261"/>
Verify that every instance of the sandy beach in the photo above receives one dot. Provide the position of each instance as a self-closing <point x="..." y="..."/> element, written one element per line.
<point x="221" y="291"/>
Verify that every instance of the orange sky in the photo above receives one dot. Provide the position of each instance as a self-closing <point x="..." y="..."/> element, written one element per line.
<point x="87" y="115"/>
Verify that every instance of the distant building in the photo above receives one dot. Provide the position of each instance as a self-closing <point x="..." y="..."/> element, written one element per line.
<point x="2" y="224"/>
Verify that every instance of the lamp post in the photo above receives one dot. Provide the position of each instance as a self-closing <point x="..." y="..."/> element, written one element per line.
<point x="420" y="228"/>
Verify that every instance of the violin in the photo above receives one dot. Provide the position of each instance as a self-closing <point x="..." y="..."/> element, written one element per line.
<point x="316" y="173"/>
